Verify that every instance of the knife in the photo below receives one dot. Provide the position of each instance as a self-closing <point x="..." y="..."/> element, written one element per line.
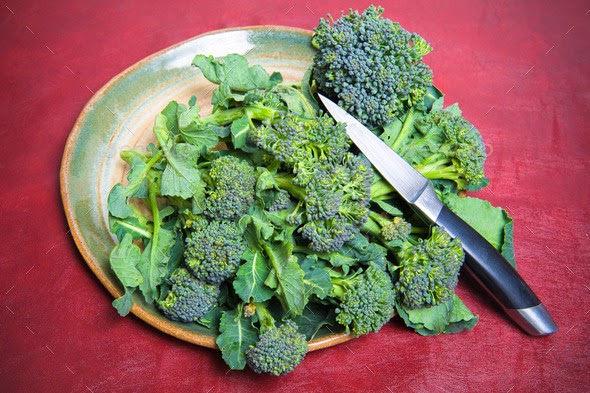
<point x="488" y="266"/>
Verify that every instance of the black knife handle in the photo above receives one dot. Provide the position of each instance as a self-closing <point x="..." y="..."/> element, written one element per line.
<point x="488" y="265"/>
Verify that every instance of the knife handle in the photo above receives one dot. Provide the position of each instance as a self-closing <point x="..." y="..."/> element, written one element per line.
<point x="498" y="276"/>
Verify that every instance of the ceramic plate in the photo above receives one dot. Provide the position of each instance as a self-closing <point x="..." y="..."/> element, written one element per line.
<point x="120" y="116"/>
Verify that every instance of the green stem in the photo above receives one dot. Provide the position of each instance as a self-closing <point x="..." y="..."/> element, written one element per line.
<point x="286" y="182"/>
<point x="381" y="189"/>
<point x="156" y="217"/>
<point x="407" y="128"/>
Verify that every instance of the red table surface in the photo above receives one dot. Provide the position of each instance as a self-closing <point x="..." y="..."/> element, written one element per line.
<point x="520" y="71"/>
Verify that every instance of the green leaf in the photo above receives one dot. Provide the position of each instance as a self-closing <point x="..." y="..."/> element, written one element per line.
<point x="450" y="317"/>
<point x="117" y="201"/>
<point x="306" y="89"/>
<point x="249" y="282"/>
<point x="493" y="223"/>
<point x="125" y="302"/>
<point x="201" y="135"/>
<point x="388" y="208"/>
<point x="317" y="282"/>
<point x="239" y="131"/>
<point x="237" y="336"/>
<point x="296" y="102"/>
<point x="314" y="317"/>
<point x="124" y="259"/>
<point x="287" y="278"/>
<point x="153" y="263"/>
<point x="181" y="177"/>
<point x="131" y="226"/>
<point x="234" y="71"/>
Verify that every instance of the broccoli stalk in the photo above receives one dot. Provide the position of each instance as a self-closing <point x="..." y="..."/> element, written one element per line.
<point x="279" y="348"/>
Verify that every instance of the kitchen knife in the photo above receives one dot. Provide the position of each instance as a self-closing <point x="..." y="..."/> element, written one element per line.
<point x="488" y="266"/>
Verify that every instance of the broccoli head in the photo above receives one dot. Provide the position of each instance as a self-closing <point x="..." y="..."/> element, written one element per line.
<point x="429" y="270"/>
<point x="370" y="65"/>
<point x="279" y="348"/>
<point x="213" y="249"/>
<point x="231" y="188"/>
<point x="461" y="155"/>
<point x="388" y="229"/>
<point x="366" y="299"/>
<point x="301" y="143"/>
<point x="189" y="298"/>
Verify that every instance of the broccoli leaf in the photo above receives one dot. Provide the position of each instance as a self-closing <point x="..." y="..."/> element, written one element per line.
<point x="286" y="277"/>
<point x="449" y="317"/>
<point x="237" y="336"/>
<point x="314" y="317"/>
<point x="131" y="226"/>
<point x="201" y="135"/>
<point x="317" y="282"/>
<point x="493" y="223"/>
<point x="153" y="264"/>
<point x="234" y="72"/>
<point x="239" y="131"/>
<point x="181" y="176"/>
<point x="124" y="260"/>
<point x="117" y="201"/>
<point x="249" y="282"/>
<point x="296" y="102"/>
<point x="125" y="302"/>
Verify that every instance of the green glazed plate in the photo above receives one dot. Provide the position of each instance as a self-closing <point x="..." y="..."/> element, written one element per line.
<point x="120" y="116"/>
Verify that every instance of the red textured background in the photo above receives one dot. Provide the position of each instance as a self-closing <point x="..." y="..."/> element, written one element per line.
<point x="520" y="71"/>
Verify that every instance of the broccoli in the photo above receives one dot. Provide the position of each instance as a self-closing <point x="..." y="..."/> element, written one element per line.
<point x="300" y="143"/>
<point x="330" y="184"/>
<point x="428" y="271"/>
<point x="213" y="249"/>
<point x="279" y="348"/>
<point x="231" y="188"/>
<point x="189" y="298"/>
<point x="443" y="145"/>
<point x="366" y="299"/>
<point x="370" y="65"/>
<point x="395" y="229"/>
<point x="336" y="202"/>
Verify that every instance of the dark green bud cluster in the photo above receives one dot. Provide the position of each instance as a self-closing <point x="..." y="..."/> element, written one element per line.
<point x="278" y="351"/>
<point x="429" y="271"/>
<point x="370" y="65"/>
<point x="189" y="298"/>
<point x="213" y="249"/>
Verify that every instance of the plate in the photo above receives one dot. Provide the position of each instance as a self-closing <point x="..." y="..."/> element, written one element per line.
<point x="120" y="116"/>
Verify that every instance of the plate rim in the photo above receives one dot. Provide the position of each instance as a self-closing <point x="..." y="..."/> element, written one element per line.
<point x="84" y="249"/>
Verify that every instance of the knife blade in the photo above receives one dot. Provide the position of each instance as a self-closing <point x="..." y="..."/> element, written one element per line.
<point x="487" y="265"/>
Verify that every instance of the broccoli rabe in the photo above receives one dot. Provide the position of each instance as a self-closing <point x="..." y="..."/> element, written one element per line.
<point x="370" y="65"/>
<point x="231" y="188"/>
<point x="213" y="249"/>
<point x="189" y="298"/>
<point x="366" y="299"/>
<point x="443" y="145"/>
<point x="330" y="183"/>
<point x="429" y="270"/>
<point x="279" y="348"/>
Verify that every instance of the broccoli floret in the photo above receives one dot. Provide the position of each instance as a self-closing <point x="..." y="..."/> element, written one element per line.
<point x="282" y="201"/>
<point x="231" y="188"/>
<point x="461" y="155"/>
<point x="213" y="249"/>
<point x="279" y="348"/>
<point x="331" y="185"/>
<point x="370" y="65"/>
<point x="429" y="270"/>
<point x="389" y="230"/>
<point x="301" y="143"/>
<point x="336" y="202"/>
<point x="443" y="145"/>
<point x="366" y="299"/>
<point x="189" y="298"/>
